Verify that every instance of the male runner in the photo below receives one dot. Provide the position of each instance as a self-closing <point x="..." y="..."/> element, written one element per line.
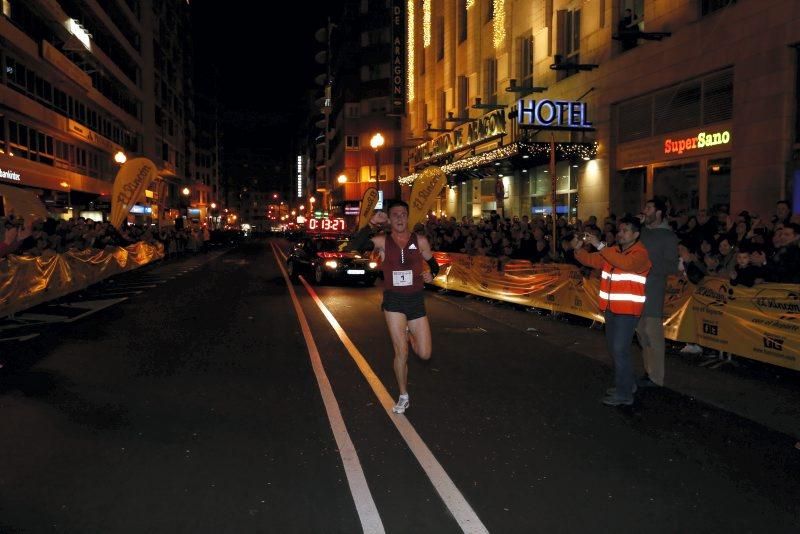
<point x="402" y="253"/>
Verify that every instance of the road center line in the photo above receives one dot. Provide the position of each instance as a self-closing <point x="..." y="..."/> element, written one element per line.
<point x="365" y="505"/>
<point x="462" y="512"/>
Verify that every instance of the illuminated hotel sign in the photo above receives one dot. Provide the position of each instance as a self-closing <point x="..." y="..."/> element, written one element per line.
<point x="490" y="126"/>
<point x="548" y="114"/>
<point x="701" y="140"/>
<point x="10" y="175"/>
<point x="398" y="57"/>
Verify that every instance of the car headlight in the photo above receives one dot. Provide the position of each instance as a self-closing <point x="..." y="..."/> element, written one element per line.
<point x="373" y="264"/>
<point x="331" y="264"/>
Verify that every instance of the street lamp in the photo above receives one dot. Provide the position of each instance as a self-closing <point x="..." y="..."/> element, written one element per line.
<point x="120" y="157"/>
<point x="186" y="191"/>
<point x="342" y="179"/>
<point x="376" y="143"/>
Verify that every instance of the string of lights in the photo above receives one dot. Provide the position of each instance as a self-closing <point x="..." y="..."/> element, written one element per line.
<point x="564" y="151"/>
<point x="410" y="50"/>
<point x="426" y="23"/>
<point x="499" y="23"/>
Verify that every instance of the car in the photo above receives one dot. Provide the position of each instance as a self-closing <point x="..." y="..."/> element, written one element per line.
<point x="324" y="259"/>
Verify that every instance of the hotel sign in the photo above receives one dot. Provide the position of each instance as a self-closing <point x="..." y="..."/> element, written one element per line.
<point x="398" y="57"/>
<point x="490" y="126"/>
<point x="547" y="114"/>
<point x="10" y="175"/>
<point x="86" y="134"/>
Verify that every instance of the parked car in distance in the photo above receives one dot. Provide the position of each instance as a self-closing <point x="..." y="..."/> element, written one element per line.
<point x="322" y="259"/>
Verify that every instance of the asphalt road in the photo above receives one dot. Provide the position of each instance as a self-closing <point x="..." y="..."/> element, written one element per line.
<point x="193" y="407"/>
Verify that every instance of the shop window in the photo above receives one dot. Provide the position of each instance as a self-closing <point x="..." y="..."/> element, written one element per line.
<point x="710" y="6"/>
<point x="633" y="183"/>
<point x="678" y="183"/>
<point x="540" y="184"/>
<point x="719" y="184"/>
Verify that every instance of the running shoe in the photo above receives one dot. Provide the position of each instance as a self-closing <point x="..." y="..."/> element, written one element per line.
<point x="402" y="404"/>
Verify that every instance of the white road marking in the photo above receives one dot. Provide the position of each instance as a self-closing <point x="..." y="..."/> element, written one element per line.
<point x="365" y="504"/>
<point x="20" y="338"/>
<point x="463" y="513"/>
<point x="92" y="306"/>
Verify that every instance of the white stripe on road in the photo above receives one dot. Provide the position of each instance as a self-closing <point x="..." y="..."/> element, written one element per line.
<point x="365" y="505"/>
<point x="463" y="513"/>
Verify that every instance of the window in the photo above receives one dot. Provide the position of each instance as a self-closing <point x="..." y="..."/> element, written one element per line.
<point x="490" y="81"/>
<point x="439" y="38"/>
<point x="351" y="142"/>
<point x="462" y="20"/>
<point x="352" y="111"/>
<point x="526" y="60"/>
<point x="489" y="10"/>
<point x="463" y="96"/>
<point x="710" y="6"/>
<point x="569" y="40"/>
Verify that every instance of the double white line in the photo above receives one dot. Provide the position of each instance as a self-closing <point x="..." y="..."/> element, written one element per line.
<point x="367" y="511"/>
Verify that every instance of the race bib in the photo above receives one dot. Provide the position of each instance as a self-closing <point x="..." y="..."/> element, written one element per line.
<point x="402" y="278"/>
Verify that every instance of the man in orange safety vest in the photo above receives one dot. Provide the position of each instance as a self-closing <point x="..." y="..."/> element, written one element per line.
<point x="621" y="298"/>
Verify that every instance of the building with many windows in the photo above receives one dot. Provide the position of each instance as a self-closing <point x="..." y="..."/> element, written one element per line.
<point x="84" y="81"/>
<point x="692" y="99"/>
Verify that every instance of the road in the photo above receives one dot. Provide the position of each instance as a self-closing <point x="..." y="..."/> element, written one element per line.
<point x="195" y="406"/>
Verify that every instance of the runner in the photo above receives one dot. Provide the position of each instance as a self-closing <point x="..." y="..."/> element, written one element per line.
<point x="404" y="276"/>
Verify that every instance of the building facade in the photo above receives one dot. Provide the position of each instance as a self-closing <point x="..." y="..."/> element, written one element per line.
<point x="84" y="81"/>
<point x="691" y="99"/>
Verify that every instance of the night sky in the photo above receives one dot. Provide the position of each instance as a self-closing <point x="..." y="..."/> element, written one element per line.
<point x="263" y="77"/>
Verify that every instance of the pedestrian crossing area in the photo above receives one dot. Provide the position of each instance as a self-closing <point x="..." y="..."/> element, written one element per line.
<point x="28" y="324"/>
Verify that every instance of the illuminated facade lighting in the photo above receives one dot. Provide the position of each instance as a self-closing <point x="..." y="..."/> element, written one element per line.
<point x="470" y="3"/>
<point x="426" y="23"/>
<point x="410" y="50"/>
<point x="74" y="27"/>
<point x="499" y="23"/>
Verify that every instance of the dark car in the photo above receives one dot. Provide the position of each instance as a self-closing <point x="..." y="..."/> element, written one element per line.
<point x="321" y="259"/>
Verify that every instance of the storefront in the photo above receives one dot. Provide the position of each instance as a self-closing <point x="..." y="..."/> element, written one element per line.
<point x="502" y="162"/>
<point x="692" y="168"/>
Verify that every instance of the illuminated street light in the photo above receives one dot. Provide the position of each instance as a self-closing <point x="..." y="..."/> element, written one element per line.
<point x="186" y="191"/>
<point x="120" y="157"/>
<point x="213" y="205"/>
<point x="376" y="143"/>
<point x="342" y="179"/>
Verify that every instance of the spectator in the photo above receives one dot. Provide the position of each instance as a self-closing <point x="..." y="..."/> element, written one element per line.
<point x="662" y="249"/>
<point x="745" y="273"/>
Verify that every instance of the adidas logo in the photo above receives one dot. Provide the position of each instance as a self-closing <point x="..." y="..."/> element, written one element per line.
<point x="412" y="247"/>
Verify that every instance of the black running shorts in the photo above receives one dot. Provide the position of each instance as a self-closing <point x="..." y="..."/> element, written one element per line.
<point x="410" y="304"/>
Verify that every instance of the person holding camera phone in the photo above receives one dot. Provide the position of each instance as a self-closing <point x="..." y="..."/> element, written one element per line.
<point x="403" y="254"/>
<point x="621" y="298"/>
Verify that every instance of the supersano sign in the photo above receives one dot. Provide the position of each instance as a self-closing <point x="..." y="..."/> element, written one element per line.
<point x="701" y="140"/>
<point x="553" y="114"/>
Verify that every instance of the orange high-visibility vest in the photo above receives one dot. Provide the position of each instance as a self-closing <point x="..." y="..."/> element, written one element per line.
<point x="621" y="288"/>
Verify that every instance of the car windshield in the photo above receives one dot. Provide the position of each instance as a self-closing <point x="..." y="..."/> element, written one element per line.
<point x="329" y="245"/>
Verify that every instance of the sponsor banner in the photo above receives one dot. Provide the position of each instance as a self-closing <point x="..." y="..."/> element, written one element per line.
<point x="129" y="185"/>
<point x="424" y="193"/>
<point x="761" y="323"/>
<point x="368" y="203"/>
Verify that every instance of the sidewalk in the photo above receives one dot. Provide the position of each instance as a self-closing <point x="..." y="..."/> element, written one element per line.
<point x="765" y="394"/>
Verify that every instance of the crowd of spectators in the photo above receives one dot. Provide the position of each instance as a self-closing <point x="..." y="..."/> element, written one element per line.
<point x="744" y="248"/>
<point x="53" y="236"/>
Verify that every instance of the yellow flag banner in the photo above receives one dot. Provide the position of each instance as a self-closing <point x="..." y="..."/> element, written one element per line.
<point x="131" y="181"/>
<point x="761" y="323"/>
<point x="368" y="203"/>
<point x="22" y="203"/>
<point x="424" y="193"/>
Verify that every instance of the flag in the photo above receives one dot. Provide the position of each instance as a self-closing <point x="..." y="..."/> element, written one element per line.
<point x="368" y="203"/>
<point x="424" y="193"/>
<point x="131" y="181"/>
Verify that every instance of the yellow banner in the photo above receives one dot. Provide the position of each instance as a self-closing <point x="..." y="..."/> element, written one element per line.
<point x="368" y="203"/>
<point x="22" y="203"/>
<point x="131" y="181"/>
<point x="424" y="193"/>
<point x="761" y="323"/>
<point x="26" y="281"/>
